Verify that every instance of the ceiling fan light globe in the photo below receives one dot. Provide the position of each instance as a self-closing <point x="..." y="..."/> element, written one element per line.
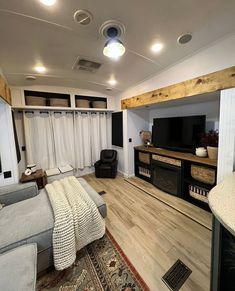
<point x="114" y="49"/>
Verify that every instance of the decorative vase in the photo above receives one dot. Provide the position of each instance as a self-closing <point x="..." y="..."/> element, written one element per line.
<point x="201" y="152"/>
<point x="212" y="152"/>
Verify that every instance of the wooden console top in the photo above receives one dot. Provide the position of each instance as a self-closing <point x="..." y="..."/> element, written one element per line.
<point x="178" y="155"/>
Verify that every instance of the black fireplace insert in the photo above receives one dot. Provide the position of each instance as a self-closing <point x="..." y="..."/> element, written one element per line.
<point x="167" y="178"/>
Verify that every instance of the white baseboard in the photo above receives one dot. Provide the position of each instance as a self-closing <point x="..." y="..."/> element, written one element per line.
<point x="85" y="171"/>
<point x="125" y="175"/>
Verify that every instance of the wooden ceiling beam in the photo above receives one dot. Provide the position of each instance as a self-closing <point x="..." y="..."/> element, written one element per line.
<point x="217" y="81"/>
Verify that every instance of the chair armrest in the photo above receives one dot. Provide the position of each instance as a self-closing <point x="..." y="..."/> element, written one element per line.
<point x="97" y="163"/>
<point x="114" y="163"/>
<point x="14" y="193"/>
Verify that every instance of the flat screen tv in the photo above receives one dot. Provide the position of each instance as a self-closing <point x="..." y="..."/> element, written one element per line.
<point x="178" y="133"/>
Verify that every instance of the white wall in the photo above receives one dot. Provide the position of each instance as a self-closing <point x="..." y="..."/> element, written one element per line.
<point x="137" y="120"/>
<point x="7" y="146"/>
<point x="133" y="122"/>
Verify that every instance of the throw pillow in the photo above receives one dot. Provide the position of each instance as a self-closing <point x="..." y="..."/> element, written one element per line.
<point x="52" y="172"/>
<point x="66" y="168"/>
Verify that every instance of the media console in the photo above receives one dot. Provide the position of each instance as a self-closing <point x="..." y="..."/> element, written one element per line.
<point x="181" y="174"/>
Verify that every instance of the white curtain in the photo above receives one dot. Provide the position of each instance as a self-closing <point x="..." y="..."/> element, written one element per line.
<point x="39" y="139"/>
<point x="82" y="136"/>
<point x="99" y="134"/>
<point x="95" y="137"/>
<point x="61" y="138"/>
<point x="63" y="131"/>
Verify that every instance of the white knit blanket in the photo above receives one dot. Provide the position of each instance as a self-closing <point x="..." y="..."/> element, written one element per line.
<point x="77" y="220"/>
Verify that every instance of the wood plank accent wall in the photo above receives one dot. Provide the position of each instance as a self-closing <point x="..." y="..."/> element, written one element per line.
<point x="220" y="80"/>
<point x="5" y="91"/>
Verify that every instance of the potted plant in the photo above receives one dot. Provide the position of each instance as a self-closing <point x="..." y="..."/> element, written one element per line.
<point x="210" y="140"/>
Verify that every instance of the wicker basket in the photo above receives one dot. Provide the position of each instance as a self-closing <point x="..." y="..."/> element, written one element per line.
<point x="144" y="172"/>
<point x="167" y="160"/>
<point x="203" y="174"/>
<point x="82" y="103"/>
<point x="99" y="104"/>
<point x="35" y="101"/>
<point x="59" y="102"/>
<point x="198" y="193"/>
<point x="144" y="158"/>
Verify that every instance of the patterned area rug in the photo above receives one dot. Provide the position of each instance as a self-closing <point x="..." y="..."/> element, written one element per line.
<point x="101" y="265"/>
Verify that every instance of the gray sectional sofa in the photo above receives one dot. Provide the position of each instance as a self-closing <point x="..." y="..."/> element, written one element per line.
<point x="28" y="218"/>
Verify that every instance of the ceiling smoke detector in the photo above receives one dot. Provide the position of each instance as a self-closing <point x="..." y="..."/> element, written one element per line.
<point x="30" y="78"/>
<point x="83" y="17"/>
<point x="83" y="64"/>
<point x="112" y="26"/>
<point x="184" y="38"/>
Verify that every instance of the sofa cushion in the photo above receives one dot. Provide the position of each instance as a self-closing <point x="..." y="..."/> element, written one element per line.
<point x="17" y="192"/>
<point x="27" y="221"/>
<point x="18" y="269"/>
<point x="100" y="203"/>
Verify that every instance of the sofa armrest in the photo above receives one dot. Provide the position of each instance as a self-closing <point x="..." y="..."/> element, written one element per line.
<point x="18" y="268"/>
<point x="17" y="192"/>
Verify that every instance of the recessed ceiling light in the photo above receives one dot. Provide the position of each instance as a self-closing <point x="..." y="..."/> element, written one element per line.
<point x="40" y="69"/>
<point x="112" y="82"/>
<point x="48" y="2"/>
<point x="157" y="47"/>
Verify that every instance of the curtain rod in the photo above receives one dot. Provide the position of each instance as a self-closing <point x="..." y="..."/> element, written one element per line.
<point x="60" y="112"/>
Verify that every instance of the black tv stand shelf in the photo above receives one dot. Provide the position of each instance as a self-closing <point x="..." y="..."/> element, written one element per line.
<point x="164" y="169"/>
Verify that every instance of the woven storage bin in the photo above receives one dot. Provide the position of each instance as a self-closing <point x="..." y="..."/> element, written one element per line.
<point x="35" y="101"/>
<point x="144" y="158"/>
<point x="203" y="174"/>
<point x="198" y="193"/>
<point x="81" y="103"/>
<point x="167" y="160"/>
<point x="59" y="102"/>
<point x="99" y="104"/>
<point x="144" y="172"/>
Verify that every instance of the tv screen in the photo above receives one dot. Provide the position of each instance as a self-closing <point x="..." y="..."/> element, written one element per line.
<point x="178" y="133"/>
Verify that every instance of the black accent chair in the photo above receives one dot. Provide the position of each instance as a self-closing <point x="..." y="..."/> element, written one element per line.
<point x="106" y="167"/>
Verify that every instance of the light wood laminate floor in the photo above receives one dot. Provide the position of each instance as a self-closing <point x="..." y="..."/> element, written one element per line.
<point x="199" y="215"/>
<point x="153" y="235"/>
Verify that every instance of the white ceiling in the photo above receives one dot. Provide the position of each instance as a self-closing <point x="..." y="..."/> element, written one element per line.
<point x="31" y="33"/>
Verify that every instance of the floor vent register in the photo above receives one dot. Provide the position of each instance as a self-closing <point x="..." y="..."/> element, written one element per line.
<point x="176" y="276"/>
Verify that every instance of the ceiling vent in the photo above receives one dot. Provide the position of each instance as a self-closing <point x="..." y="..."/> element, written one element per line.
<point x="184" y="38"/>
<point x="83" y="17"/>
<point x="30" y="78"/>
<point x="83" y="64"/>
